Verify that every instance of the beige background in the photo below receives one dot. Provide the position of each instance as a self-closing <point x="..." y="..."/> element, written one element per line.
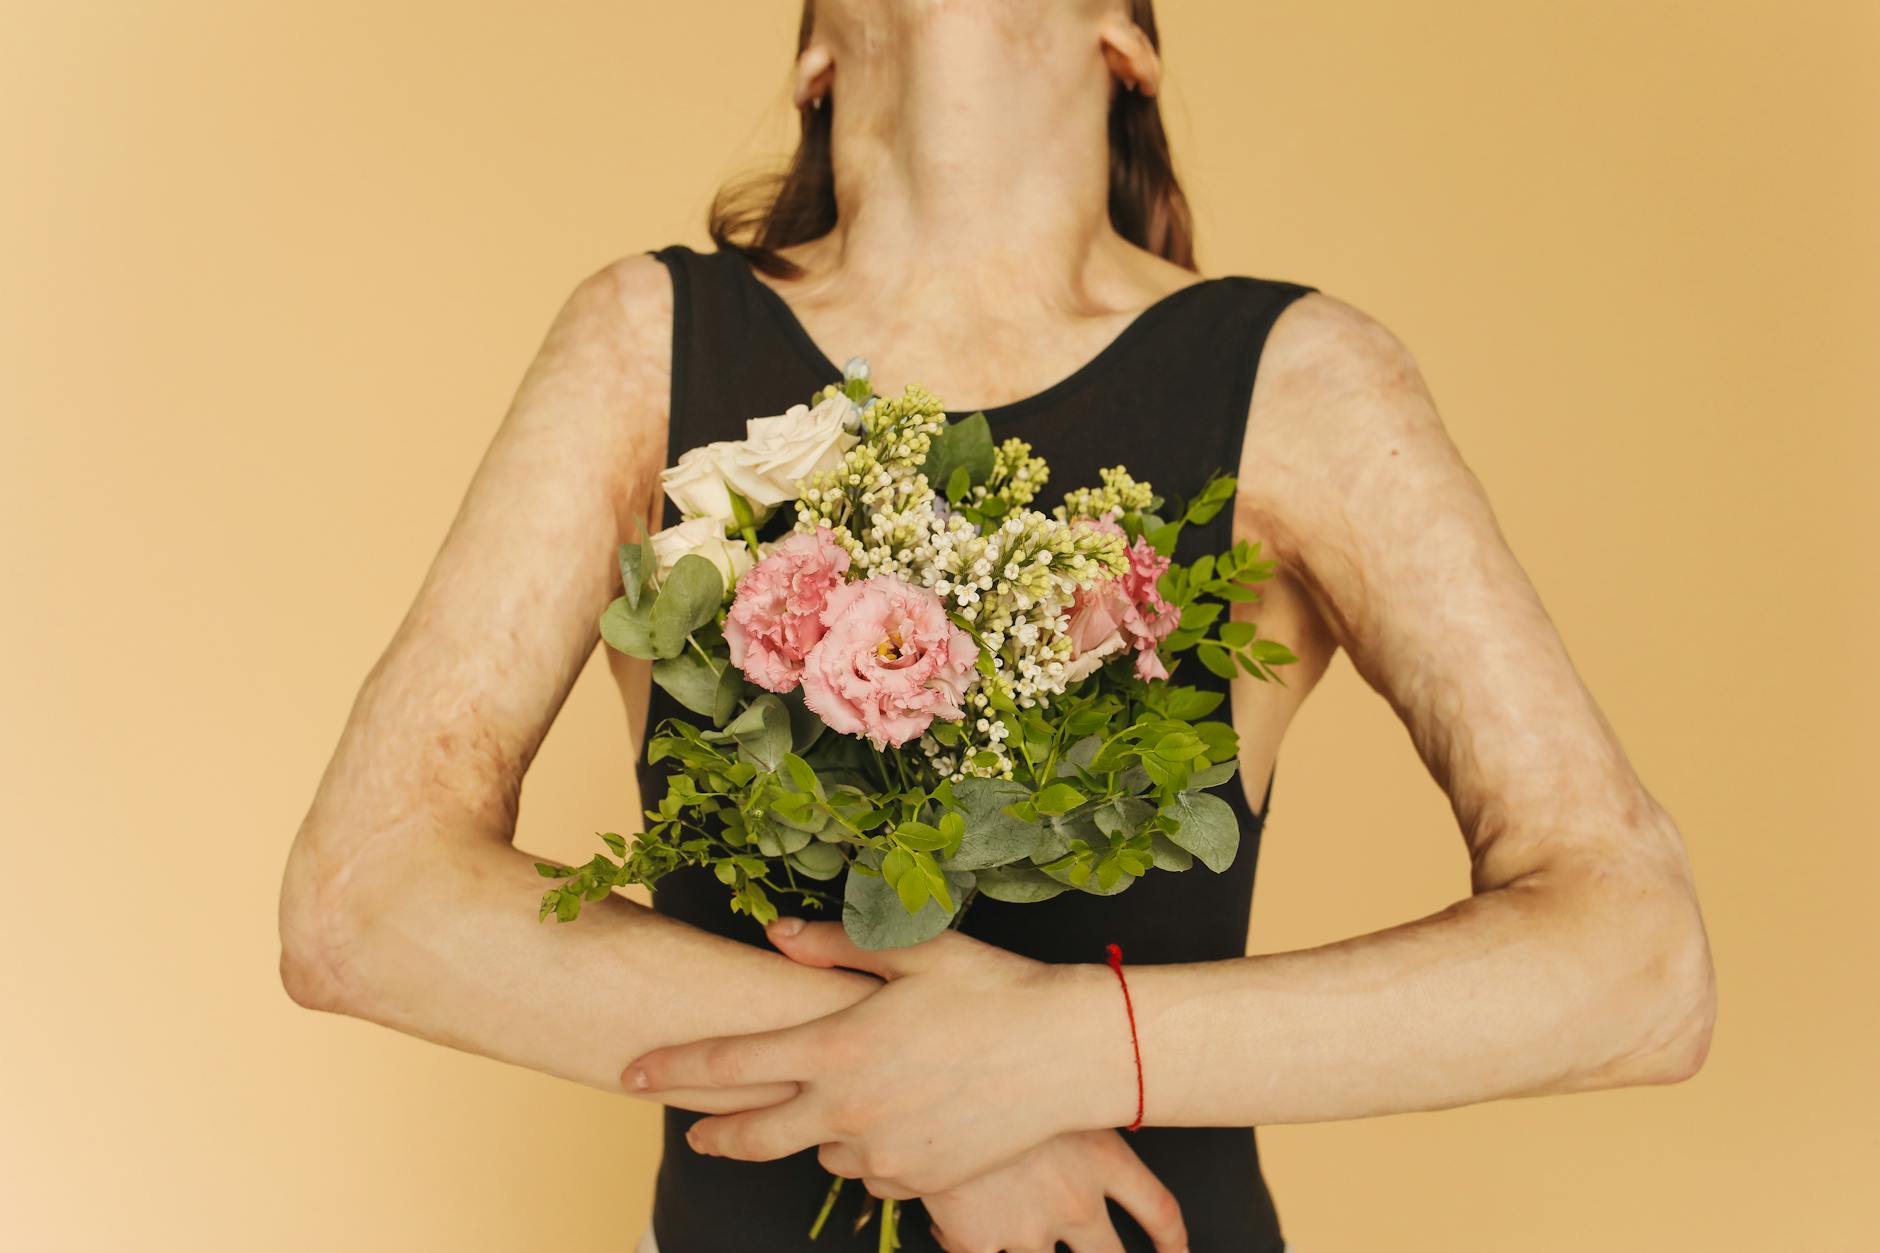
<point x="269" y="274"/>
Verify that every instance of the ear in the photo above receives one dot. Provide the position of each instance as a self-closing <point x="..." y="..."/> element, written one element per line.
<point x="815" y="71"/>
<point x="1132" y="59"/>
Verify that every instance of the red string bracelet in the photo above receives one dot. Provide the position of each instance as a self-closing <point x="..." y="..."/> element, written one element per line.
<point x="1116" y="964"/>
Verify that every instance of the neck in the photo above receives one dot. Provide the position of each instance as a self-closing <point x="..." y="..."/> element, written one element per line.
<point x="971" y="157"/>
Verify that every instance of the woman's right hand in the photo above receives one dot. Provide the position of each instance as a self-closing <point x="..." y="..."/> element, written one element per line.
<point x="1056" y="1192"/>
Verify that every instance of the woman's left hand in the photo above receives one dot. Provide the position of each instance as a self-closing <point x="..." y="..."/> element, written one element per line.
<point x="966" y="1057"/>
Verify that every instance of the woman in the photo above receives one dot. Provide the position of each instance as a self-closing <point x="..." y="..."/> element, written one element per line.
<point x="983" y="203"/>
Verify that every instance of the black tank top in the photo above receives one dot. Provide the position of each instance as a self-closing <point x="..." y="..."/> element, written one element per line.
<point x="1168" y="398"/>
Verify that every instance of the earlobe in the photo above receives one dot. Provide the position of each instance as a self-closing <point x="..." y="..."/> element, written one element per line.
<point x="815" y="71"/>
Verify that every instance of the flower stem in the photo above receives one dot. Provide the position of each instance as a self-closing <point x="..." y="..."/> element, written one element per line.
<point x="703" y="655"/>
<point x="890" y="1226"/>
<point x="829" y="1204"/>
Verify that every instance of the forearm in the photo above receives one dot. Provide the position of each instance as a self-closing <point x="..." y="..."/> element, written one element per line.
<point x="441" y="941"/>
<point x="1531" y="988"/>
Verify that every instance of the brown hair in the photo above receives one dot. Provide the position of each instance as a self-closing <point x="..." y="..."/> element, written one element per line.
<point x="759" y="214"/>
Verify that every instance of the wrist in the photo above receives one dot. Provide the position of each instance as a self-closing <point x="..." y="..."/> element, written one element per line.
<point x="1096" y="1071"/>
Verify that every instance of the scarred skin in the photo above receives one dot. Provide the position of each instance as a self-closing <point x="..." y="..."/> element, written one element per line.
<point x="1579" y="961"/>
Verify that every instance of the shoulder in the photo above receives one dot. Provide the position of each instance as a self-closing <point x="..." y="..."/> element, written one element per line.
<point x="627" y="302"/>
<point x="1339" y="407"/>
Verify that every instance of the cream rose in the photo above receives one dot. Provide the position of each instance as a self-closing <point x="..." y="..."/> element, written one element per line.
<point x="706" y="538"/>
<point x="768" y="466"/>
<point x="697" y="483"/>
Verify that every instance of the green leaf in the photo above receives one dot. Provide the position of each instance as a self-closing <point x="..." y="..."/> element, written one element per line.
<point x="964" y="444"/>
<point x="992" y="837"/>
<point x="1125" y="815"/>
<point x="636" y="562"/>
<point x="552" y="872"/>
<point x="762" y="732"/>
<point x="874" y="917"/>
<point x="725" y="698"/>
<point x="1163" y="538"/>
<point x="801" y="776"/>
<point x="958" y="484"/>
<point x="1216" y="659"/>
<point x="628" y="630"/>
<point x="1018" y="885"/>
<point x="690" y="681"/>
<point x="1168" y="855"/>
<point x="1079" y="875"/>
<point x="1207" y="828"/>
<point x="805" y="727"/>
<point x="1059" y="798"/>
<point x="1237" y="634"/>
<point x="819" y="861"/>
<point x="1213" y="776"/>
<point x="919" y="836"/>
<point x="1223" y="743"/>
<point x="688" y="599"/>
<point x="1273" y="653"/>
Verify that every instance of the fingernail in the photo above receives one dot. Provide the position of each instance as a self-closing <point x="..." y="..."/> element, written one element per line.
<point x="637" y="1080"/>
<point x="786" y="927"/>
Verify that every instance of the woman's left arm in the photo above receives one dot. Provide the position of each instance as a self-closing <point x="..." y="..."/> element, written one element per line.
<point x="1579" y="960"/>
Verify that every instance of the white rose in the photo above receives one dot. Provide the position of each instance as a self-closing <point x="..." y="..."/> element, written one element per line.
<point x="769" y="465"/>
<point x="704" y="537"/>
<point x="697" y="483"/>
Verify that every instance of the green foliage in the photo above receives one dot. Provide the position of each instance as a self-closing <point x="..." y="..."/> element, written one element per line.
<point x="963" y="445"/>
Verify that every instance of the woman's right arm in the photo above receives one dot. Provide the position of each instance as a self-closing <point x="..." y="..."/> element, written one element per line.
<point x="404" y="902"/>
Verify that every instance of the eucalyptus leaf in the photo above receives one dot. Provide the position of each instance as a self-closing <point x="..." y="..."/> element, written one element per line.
<point x="819" y="861"/>
<point x="762" y="732"/>
<point x="628" y="630"/>
<point x="1125" y="815"/>
<point x="688" y="599"/>
<point x="805" y="727"/>
<point x="1018" y="885"/>
<point x="635" y="564"/>
<point x="1207" y="829"/>
<point x="725" y="697"/>
<point x="690" y="681"/>
<point x="993" y="837"/>
<point x="1213" y="776"/>
<point x="1169" y="855"/>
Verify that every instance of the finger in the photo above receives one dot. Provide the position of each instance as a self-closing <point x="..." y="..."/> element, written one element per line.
<point x="839" y="1159"/>
<point x="939" y="1238"/>
<point x="1150" y="1203"/>
<point x="760" y="1136"/>
<point x="727" y="1100"/>
<point x="828" y="944"/>
<point x="887" y="1191"/>
<point x="733" y="1061"/>
<point x="1097" y="1237"/>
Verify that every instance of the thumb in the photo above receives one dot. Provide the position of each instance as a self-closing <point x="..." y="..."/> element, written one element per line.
<point x="827" y="944"/>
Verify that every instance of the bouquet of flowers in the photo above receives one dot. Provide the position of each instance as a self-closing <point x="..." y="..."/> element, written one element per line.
<point x="922" y="689"/>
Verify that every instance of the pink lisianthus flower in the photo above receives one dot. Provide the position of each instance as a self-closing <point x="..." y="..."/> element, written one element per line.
<point x="776" y="618"/>
<point x="1126" y="611"/>
<point x="889" y="663"/>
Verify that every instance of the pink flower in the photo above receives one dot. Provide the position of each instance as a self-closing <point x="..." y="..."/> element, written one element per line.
<point x="1127" y="610"/>
<point x="777" y="615"/>
<point x="890" y="663"/>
